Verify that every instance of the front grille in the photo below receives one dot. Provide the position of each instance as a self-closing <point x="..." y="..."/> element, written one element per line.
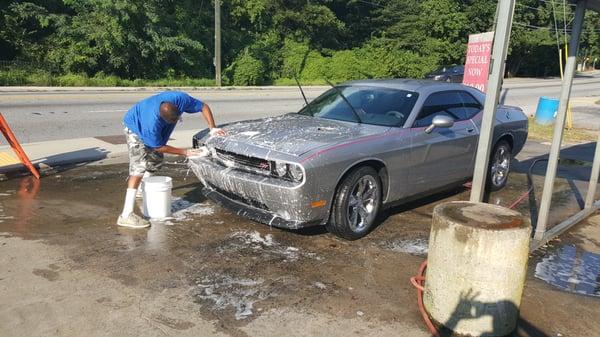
<point x="244" y="161"/>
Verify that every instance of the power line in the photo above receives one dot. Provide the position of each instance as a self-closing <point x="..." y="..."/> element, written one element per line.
<point x="536" y="27"/>
<point x="544" y="28"/>
<point x="531" y="26"/>
<point x="525" y="6"/>
<point x="548" y="1"/>
<point x="371" y="3"/>
<point x="540" y="9"/>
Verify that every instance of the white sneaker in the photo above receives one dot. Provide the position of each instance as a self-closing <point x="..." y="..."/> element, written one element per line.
<point x="133" y="221"/>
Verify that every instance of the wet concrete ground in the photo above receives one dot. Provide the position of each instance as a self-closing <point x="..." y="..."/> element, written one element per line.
<point x="66" y="269"/>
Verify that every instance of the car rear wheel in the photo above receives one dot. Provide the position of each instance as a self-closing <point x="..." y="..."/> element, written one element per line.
<point x="499" y="166"/>
<point x="356" y="204"/>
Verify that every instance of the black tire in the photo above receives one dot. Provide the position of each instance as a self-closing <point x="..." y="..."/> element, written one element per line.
<point x="346" y="221"/>
<point x="499" y="166"/>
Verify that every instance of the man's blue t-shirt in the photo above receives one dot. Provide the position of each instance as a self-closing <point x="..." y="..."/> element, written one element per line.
<point x="144" y="118"/>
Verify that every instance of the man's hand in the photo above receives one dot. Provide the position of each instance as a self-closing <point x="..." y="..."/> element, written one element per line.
<point x="217" y="132"/>
<point x="200" y="152"/>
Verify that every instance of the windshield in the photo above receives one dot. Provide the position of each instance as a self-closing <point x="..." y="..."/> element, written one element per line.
<point x="376" y="106"/>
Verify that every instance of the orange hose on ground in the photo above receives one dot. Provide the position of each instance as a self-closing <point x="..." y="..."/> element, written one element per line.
<point x="515" y="203"/>
<point x="519" y="199"/>
<point x="418" y="281"/>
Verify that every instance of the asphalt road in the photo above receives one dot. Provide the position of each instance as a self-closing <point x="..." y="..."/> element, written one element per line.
<point x="51" y="115"/>
<point x="41" y="116"/>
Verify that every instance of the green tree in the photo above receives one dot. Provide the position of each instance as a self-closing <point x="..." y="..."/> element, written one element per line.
<point x="267" y="40"/>
<point x="24" y="31"/>
<point x="138" y="39"/>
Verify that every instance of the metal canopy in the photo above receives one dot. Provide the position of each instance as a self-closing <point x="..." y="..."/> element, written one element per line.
<point x="503" y="24"/>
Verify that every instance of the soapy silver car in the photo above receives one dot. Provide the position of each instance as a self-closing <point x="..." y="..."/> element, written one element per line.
<point x="357" y="147"/>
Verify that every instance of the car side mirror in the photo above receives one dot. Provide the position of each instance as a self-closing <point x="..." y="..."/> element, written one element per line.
<point x="440" y="122"/>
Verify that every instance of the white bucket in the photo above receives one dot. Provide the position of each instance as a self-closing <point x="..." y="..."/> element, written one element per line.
<point x="157" y="197"/>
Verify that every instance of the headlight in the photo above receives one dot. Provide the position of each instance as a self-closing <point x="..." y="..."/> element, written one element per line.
<point x="296" y="173"/>
<point x="280" y="169"/>
<point x="439" y="77"/>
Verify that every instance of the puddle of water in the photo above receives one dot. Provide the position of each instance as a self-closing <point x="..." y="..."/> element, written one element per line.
<point x="182" y="209"/>
<point x="571" y="269"/>
<point x="244" y="241"/>
<point x="225" y="292"/>
<point x="415" y="246"/>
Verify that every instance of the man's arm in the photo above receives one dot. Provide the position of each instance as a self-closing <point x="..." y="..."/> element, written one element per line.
<point x="208" y="116"/>
<point x="210" y="120"/>
<point x="201" y="152"/>
<point x="172" y="150"/>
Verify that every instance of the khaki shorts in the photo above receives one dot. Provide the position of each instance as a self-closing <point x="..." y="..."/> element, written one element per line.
<point x="141" y="157"/>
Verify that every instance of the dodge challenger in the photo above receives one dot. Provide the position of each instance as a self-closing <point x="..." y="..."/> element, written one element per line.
<point x="355" y="149"/>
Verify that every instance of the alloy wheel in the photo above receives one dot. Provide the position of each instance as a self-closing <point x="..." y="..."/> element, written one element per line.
<point x="500" y="166"/>
<point x="362" y="203"/>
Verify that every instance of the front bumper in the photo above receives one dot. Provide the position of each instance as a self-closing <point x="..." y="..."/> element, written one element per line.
<point x="264" y="199"/>
<point x="253" y="213"/>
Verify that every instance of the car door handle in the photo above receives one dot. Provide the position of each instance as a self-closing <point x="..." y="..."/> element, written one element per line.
<point x="469" y="130"/>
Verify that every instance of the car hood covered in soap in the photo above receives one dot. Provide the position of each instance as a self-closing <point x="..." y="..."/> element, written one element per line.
<point x="291" y="134"/>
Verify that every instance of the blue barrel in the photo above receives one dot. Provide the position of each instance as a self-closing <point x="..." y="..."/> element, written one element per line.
<point x="546" y="111"/>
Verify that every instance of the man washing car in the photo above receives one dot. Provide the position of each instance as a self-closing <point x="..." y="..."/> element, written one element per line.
<point x="148" y="126"/>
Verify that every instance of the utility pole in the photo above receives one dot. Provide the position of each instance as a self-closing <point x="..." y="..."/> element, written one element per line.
<point x="217" y="60"/>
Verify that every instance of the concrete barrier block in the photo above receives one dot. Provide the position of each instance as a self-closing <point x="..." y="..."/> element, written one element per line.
<point x="476" y="267"/>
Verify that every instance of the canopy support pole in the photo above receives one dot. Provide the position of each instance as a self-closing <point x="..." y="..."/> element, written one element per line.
<point x="559" y="124"/>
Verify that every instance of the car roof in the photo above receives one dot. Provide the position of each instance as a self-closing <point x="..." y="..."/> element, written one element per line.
<point x="409" y="84"/>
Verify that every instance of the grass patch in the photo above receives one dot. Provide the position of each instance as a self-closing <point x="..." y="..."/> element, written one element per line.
<point x="40" y="78"/>
<point x="545" y="132"/>
<point x="291" y="81"/>
<point x="20" y="77"/>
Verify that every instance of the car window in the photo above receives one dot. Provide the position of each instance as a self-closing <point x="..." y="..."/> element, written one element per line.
<point x="458" y="69"/>
<point x="445" y="103"/>
<point x="373" y="105"/>
<point x="472" y="106"/>
<point x="330" y="105"/>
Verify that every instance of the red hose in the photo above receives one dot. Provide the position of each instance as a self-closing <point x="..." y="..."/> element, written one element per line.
<point x="519" y="199"/>
<point x="515" y="203"/>
<point x="418" y="281"/>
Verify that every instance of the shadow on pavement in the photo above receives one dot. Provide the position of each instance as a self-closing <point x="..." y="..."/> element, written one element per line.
<point x="59" y="162"/>
<point x="470" y="308"/>
<point x="575" y="164"/>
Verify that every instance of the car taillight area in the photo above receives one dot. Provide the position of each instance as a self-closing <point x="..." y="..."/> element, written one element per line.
<point x="282" y="170"/>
